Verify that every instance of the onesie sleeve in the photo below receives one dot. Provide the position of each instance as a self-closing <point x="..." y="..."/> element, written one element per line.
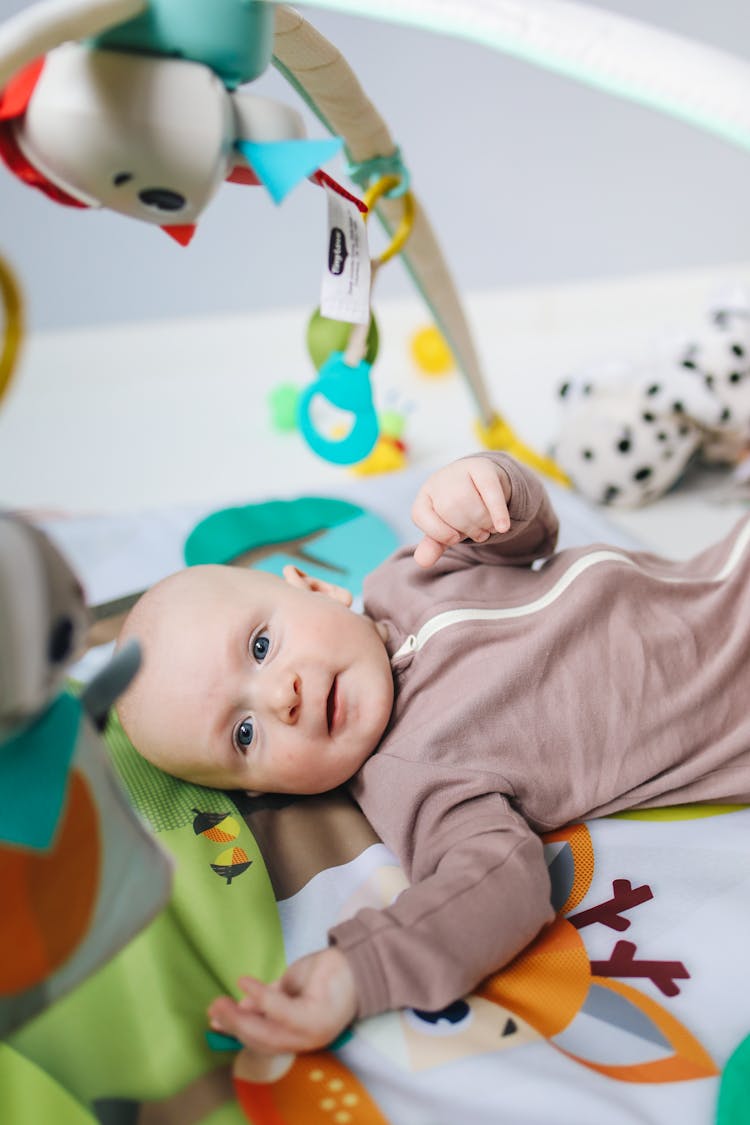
<point x="533" y="522"/>
<point x="480" y="893"/>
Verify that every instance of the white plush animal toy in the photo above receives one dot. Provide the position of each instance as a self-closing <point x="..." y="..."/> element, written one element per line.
<point x="133" y="105"/>
<point x="629" y="430"/>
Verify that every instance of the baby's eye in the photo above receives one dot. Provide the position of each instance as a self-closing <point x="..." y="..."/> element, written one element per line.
<point x="259" y="646"/>
<point x="244" y="734"/>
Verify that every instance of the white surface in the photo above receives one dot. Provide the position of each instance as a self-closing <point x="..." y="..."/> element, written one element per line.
<point x="529" y="177"/>
<point x="152" y="415"/>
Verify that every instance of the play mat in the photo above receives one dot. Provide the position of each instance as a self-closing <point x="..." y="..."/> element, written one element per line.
<point x="631" y="1008"/>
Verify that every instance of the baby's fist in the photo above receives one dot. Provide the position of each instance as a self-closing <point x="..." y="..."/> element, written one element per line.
<point x="467" y="499"/>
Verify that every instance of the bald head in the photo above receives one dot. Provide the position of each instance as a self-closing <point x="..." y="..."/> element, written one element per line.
<point x="170" y="622"/>
<point x="150" y="613"/>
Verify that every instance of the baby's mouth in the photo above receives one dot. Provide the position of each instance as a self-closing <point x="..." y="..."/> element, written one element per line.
<point x="331" y="705"/>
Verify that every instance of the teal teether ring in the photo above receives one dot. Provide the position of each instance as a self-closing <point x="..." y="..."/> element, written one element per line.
<point x="347" y="388"/>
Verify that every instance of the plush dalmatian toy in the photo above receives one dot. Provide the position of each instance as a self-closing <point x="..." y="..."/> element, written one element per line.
<point x="630" y="429"/>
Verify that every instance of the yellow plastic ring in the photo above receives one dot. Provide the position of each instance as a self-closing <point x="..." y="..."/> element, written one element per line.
<point x="404" y="228"/>
<point x="11" y="297"/>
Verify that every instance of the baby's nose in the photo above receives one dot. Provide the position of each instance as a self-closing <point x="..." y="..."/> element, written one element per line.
<point x="287" y="697"/>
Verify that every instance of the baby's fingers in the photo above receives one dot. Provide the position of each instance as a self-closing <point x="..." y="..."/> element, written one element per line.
<point x="484" y="477"/>
<point x="438" y="534"/>
<point x="431" y="522"/>
<point x="428" y="551"/>
<point x="267" y="1021"/>
<point x="253" y="1029"/>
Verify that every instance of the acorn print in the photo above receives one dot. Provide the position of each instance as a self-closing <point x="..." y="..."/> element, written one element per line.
<point x="219" y="827"/>
<point x="231" y="863"/>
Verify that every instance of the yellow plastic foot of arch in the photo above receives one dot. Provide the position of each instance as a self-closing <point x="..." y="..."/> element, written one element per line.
<point x="497" y="434"/>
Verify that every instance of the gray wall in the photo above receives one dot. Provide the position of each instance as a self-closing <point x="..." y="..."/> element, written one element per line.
<point x="528" y="177"/>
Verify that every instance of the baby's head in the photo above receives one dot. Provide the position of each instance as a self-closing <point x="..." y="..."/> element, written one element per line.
<point x="250" y="681"/>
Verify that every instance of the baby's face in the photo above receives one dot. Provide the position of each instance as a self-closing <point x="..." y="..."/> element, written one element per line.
<point x="256" y="682"/>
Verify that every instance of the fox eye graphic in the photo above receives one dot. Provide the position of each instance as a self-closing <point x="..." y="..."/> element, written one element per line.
<point x="446" y="1021"/>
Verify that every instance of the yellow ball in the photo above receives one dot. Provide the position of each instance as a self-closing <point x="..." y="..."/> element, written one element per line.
<point x="430" y="352"/>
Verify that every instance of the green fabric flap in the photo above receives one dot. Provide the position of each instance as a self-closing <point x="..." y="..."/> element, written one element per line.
<point x="136" y="1029"/>
<point x="31" y="1097"/>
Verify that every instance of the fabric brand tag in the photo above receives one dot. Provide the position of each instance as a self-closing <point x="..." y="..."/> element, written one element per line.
<point x="345" y="292"/>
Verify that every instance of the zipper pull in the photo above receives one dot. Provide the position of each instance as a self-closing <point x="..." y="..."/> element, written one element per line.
<point x="408" y="645"/>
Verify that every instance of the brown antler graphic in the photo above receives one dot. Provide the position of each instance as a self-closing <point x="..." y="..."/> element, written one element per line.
<point x="624" y="897"/>
<point x="623" y="964"/>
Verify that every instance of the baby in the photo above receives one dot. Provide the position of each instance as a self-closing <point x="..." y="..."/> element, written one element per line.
<point x="476" y="703"/>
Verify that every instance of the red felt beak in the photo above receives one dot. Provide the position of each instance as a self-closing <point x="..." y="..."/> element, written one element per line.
<point x="181" y="234"/>
<point x="241" y="174"/>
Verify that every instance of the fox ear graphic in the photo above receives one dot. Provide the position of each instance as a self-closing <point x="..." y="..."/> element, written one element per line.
<point x="548" y="983"/>
<point x="570" y="861"/>
<point x="615" y="1019"/>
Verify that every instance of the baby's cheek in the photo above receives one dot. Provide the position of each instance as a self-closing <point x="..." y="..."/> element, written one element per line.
<point x="302" y="768"/>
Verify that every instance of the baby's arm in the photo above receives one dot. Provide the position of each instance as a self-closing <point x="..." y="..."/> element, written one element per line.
<point x="483" y="901"/>
<point x="480" y="893"/>
<point x="486" y="499"/>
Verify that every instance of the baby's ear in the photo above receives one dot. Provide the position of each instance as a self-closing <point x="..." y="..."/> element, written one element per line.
<point x="302" y="581"/>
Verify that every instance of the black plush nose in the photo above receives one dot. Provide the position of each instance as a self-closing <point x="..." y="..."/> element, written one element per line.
<point x="163" y="198"/>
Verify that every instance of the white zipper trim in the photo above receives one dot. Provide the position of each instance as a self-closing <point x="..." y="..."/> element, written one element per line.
<point x="414" y="642"/>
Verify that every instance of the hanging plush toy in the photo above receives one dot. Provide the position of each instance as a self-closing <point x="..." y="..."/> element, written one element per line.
<point x="80" y="873"/>
<point x="143" y="115"/>
<point x="630" y="429"/>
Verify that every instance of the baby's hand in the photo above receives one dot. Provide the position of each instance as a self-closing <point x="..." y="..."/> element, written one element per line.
<point x="304" y="1010"/>
<point x="468" y="499"/>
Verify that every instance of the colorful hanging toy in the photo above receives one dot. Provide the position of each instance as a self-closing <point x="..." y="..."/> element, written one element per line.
<point x="67" y="833"/>
<point x="134" y="105"/>
<point x="344" y="375"/>
<point x="144" y="117"/>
